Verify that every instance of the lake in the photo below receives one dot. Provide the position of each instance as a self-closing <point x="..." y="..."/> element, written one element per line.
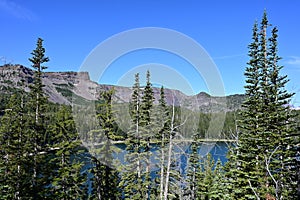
<point x="218" y="150"/>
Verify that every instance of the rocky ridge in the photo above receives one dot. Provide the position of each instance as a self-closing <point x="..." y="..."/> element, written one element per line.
<point x="64" y="87"/>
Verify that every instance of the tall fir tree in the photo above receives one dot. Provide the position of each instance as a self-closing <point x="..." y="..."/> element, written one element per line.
<point x="105" y="177"/>
<point x="132" y="174"/>
<point x="137" y="180"/>
<point x="14" y="155"/>
<point x="69" y="180"/>
<point x="247" y="159"/>
<point x="281" y="156"/>
<point x="193" y="169"/>
<point x="266" y="150"/>
<point x="147" y="125"/>
<point x="161" y="130"/>
<point x="38" y="124"/>
<point x="218" y="188"/>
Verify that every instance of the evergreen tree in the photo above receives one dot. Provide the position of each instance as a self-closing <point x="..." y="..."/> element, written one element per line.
<point x="283" y="137"/>
<point x="105" y="177"/>
<point x="69" y="181"/>
<point x="14" y="155"/>
<point x="147" y="126"/>
<point x="266" y="149"/>
<point x="28" y="136"/>
<point x="137" y="179"/>
<point x="161" y="131"/>
<point x="248" y="161"/>
<point x="231" y="169"/>
<point x="218" y="188"/>
<point x="38" y="126"/>
<point x="132" y="176"/>
<point x="205" y="180"/>
<point x="147" y="102"/>
<point x="194" y="169"/>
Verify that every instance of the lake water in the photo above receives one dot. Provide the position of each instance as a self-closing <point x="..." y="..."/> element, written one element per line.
<point x="218" y="150"/>
<point x="181" y="153"/>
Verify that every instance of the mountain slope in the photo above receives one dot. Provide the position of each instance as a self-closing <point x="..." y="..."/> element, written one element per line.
<point x="75" y="87"/>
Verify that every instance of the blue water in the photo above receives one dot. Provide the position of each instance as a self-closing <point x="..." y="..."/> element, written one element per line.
<point x="218" y="151"/>
<point x="181" y="153"/>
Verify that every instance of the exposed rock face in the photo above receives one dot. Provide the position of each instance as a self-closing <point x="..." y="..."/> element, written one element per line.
<point x="62" y="87"/>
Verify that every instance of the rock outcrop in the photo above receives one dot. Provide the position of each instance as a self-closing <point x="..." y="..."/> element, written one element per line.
<point x="64" y="87"/>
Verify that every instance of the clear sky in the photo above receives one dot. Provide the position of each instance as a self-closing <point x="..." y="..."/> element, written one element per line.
<point x="71" y="29"/>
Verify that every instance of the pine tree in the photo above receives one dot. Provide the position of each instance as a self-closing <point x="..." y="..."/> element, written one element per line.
<point x="218" y="188"/>
<point x="248" y="160"/>
<point x="105" y="177"/>
<point x="266" y="149"/>
<point x="281" y="154"/>
<point x="205" y="178"/>
<point x="69" y="181"/>
<point x="132" y="181"/>
<point x="194" y="169"/>
<point x="14" y="176"/>
<point x="147" y="102"/>
<point x="147" y="125"/>
<point x="38" y="126"/>
<point x="161" y="130"/>
<point x="231" y="169"/>
<point x="137" y="181"/>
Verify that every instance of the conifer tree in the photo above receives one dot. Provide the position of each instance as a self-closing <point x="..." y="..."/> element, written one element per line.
<point x="37" y="106"/>
<point x="29" y="130"/>
<point x="38" y="126"/>
<point x="69" y="181"/>
<point x="249" y="161"/>
<point x="37" y="93"/>
<point x="283" y="137"/>
<point x="194" y="169"/>
<point x="105" y="177"/>
<point x="132" y="175"/>
<point x="205" y="180"/>
<point x="147" y="124"/>
<point x="266" y="150"/>
<point x="14" y="156"/>
<point x="147" y="102"/>
<point x="137" y="180"/>
<point x="218" y="188"/>
<point x="161" y="131"/>
<point x="231" y="172"/>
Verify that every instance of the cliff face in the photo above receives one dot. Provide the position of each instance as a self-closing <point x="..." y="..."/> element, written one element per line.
<point x="63" y="87"/>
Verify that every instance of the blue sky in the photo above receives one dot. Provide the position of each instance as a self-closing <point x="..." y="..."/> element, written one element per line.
<point x="72" y="29"/>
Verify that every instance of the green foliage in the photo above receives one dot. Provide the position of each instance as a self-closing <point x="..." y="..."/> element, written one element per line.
<point x="136" y="174"/>
<point x="68" y="181"/>
<point x="105" y="177"/>
<point x="205" y="178"/>
<point x="39" y="150"/>
<point x="266" y="149"/>
<point x="38" y="122"/>
<point x="14" y="155"/>
<point x="41" y="155"/>
<point x="194" y="170"/>
<point x="65" y="90"/>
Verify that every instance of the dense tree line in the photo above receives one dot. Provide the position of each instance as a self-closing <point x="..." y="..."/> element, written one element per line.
<point x="42" y="155"/>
